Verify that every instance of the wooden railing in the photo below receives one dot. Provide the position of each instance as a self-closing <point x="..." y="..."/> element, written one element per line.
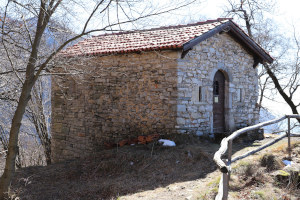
<point x="226" y="146"/>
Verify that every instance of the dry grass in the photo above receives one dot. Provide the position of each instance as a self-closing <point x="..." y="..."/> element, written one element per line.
<point x="211" y="189"/>
<point x="116" y="172"/>
<point x="283" y="146"/>
<point x="30" y="150"/>
<point x="152" y="171"/>
<point x="271" y="162"/>
<point x="252" y="178"/>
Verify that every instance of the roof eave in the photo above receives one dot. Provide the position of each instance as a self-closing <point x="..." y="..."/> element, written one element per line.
<point x="226" y="27"/>
<point x="190" y="44"/>
<point x="257" y="49"/>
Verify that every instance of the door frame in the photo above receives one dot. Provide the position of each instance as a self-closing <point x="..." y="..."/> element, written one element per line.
<point x="229" y="88"/>
<point x="220" y="104"/>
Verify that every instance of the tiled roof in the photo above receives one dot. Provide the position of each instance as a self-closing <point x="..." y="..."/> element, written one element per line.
<point x="172" y="37"/>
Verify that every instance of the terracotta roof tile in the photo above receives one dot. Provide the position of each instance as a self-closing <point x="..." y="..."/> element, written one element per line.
<point x="172" y="37"/>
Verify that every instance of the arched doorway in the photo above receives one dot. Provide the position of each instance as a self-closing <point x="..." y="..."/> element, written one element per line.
<point x="219" y="102"/>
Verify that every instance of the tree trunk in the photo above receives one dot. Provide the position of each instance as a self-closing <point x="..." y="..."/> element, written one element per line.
<point x="286" y="98"/>
<point x="4" y="142"/>
<point x="45" y="135"/>
<point x="248" y="25"/>
<point x="27" y="86"/>
<point x="13" y="139"/>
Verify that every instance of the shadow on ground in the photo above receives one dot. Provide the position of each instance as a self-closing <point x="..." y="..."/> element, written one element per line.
<point x="111" y="173"/>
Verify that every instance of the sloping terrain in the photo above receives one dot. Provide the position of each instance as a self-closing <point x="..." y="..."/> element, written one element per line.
<point x="265" y="176"/>
<point x="118" y="171"/>
<point x="151" y="171"/>
<point x="251" y="178"/>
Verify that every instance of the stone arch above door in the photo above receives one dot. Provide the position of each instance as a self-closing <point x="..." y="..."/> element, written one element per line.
<point x="222" y="68"/>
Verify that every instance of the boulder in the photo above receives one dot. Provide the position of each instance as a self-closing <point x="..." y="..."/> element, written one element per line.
<point x="289" y="176"/>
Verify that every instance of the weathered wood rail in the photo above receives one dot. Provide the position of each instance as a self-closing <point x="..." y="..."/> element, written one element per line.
<point x="226" y="146"/>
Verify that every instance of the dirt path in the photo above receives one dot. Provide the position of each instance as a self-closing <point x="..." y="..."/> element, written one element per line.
<point x="188" y="190"/>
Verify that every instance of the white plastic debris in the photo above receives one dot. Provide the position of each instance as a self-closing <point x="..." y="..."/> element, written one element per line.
<point x="267" y="136"/>
<point x="287" y="162"/>
<point x="167" y="143"/>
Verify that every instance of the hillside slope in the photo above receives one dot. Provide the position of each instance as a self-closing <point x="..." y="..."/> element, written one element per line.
<point x="186" y="171"/>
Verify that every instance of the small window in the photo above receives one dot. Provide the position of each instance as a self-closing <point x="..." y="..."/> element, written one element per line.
<point x="200" y="94"/>
<point x="239" y="95"/>
<point x="216" y="88"/>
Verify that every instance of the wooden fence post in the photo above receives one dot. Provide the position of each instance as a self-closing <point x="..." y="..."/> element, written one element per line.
<point x="226" y="176"/>
<point x="229" y="158"/>
<point x="226" y="146"/>
<point x="225" y="185"/>
<point x="289" y="139"/>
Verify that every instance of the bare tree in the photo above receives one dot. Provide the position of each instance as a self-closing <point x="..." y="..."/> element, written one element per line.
<point x="20" y="42"/>
<point x="37" y="115"/>
<point x="36" y="118"/>
<point x="251" y="12"/>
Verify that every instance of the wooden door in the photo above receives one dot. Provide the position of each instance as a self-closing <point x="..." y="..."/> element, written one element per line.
<point x="218" y="102"/>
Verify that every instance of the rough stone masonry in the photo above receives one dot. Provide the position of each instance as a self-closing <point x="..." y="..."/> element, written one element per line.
<point x="113" y="97"/>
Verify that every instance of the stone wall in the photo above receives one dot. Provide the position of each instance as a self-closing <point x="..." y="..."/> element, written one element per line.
<point x="112" y="98"/>
<point x="196" y="72"/>
<point x="116" y="97"/>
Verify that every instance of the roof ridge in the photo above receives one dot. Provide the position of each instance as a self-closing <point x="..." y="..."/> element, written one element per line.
<point x="166" y="27"/>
